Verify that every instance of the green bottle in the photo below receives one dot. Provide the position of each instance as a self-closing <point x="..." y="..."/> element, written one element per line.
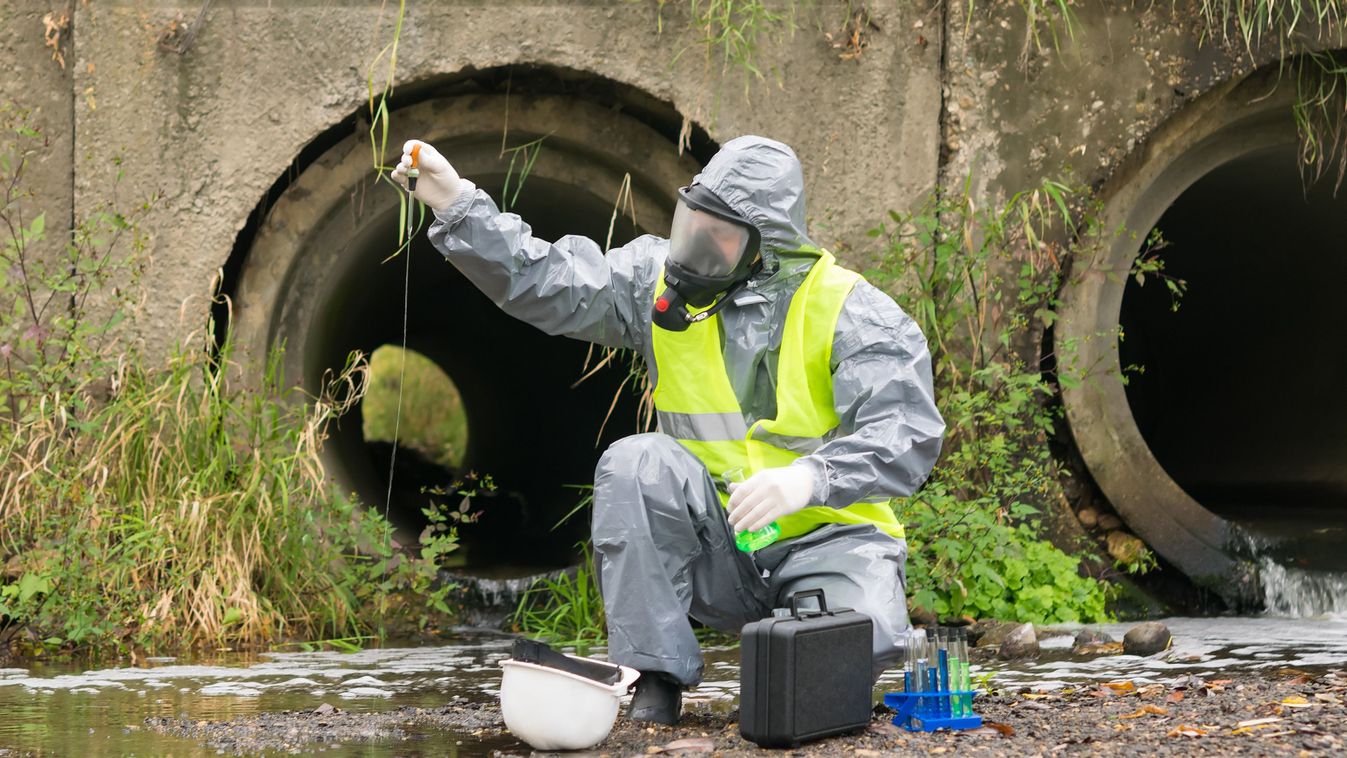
<point x="757" y="540"/>
<point x="749" y="541"/>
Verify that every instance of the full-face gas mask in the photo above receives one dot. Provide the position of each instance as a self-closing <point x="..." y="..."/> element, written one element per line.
<point x="712" y="253"/>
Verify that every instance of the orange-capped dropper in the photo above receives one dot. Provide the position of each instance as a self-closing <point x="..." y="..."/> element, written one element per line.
<point x="413" y="173"/>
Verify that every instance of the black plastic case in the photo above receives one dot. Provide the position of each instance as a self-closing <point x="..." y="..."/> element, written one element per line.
<point x="805" y="675"/>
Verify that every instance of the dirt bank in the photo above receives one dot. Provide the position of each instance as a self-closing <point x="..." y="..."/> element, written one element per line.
<point x="1287" y="712"/>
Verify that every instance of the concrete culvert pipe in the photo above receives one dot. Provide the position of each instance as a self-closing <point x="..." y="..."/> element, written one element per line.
<point x="313" y="281"/>
<point x="1230" y="441"/>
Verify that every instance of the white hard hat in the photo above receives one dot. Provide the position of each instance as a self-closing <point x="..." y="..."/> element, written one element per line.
<point x="552" y="709"/>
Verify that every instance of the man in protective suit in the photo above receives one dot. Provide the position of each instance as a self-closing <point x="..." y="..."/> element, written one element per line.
<point x="772" y="366"/>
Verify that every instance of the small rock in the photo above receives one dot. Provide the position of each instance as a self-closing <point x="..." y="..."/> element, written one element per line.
<point x="920" y="616"/>
<point x="1125" y="548"/>
<point x="1087" y="637"/>
<point x="990" y="633"/>
<point x="1108" y="522"/>
<point x="1147" y="639"/>
<point x="1021" y="643"/>
<point x="326" y="709"/>
<point x="1088" y="517"/>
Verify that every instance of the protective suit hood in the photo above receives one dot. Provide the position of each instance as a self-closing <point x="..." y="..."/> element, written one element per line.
<point x="762" y="181"/>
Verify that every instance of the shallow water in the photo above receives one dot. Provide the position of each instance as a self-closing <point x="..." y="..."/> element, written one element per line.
<point x="62" y="710"/>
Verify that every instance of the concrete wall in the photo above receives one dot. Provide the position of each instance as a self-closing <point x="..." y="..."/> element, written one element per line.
<point x="1018" y="112"/>
<point x="212" y="128"/>
<point x="36" y="82"/>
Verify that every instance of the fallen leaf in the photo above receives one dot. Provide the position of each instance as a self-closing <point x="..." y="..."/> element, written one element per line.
<point x="685" y="746"/>
<point x="1258" y="722"/>
<point x="1296" y="701"/>
<point x="1040" y="696"/>
<point x="1252" y="725"/>
<point x="1174" y="696"/>
<point x="1190" y="682"/>
<point x="1006" y="730"/>
<point x="883" y="727"/>
<point x="1302" y="679"/>
<point x="1186" y="730"/>
<point x="1154" y="709"/>
<point x="1121" y="687"/>
<point x="1150" y="690"/>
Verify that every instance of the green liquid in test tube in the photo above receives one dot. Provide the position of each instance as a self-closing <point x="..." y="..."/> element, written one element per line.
<point x="755" y="540"/>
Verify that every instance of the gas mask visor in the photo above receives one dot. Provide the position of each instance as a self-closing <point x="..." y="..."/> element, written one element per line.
<point x="711" y="251"/>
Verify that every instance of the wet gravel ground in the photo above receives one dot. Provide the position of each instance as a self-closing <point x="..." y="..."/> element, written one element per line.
<point x="1286" y="712"/>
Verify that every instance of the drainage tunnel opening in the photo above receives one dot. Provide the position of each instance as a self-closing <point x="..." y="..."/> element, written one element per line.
<point x="531" y="431"/>
<point x="1240" y="397"/>
<point x="314" y="280"/>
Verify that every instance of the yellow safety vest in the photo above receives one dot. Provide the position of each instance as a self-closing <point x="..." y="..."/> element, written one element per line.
<point x="696" y="404"/>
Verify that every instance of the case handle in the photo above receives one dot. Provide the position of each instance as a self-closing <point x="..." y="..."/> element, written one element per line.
<point x="815" y="593"/>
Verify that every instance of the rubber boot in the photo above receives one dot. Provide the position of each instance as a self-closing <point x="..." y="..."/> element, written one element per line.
<point x="657" y="698"/>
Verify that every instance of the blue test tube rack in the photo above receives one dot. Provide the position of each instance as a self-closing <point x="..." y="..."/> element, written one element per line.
<point x="931" y="710"/>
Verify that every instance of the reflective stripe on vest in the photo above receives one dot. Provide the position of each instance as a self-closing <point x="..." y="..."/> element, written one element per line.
<point x="697" y="406"/>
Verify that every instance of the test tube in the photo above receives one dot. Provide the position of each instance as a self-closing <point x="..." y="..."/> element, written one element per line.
<point x="955" y="662"/>
<point x="920" y="678"/>
<point x="932" y="680"/>
<point x="946" y="685"/>
<point x="909" y="661"/>
<point x="965" y="682"/>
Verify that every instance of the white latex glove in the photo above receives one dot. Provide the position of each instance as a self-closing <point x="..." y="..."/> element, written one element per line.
<point x="768" y="495"/>
<point x="438" y="185"/>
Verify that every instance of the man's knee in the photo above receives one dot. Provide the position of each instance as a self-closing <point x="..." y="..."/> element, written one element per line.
<point x="629" y="454"/>
<point x="648" y="472"/>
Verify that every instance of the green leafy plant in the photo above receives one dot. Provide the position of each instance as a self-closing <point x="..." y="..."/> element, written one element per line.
<point x="981" y="283"/>
<point x="566" y="609"/>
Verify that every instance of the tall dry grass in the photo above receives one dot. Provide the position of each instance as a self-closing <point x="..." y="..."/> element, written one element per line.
<point x="167" y="504"/>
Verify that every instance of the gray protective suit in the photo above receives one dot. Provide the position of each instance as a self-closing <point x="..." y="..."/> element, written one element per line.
<point x="664" y="545"/>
